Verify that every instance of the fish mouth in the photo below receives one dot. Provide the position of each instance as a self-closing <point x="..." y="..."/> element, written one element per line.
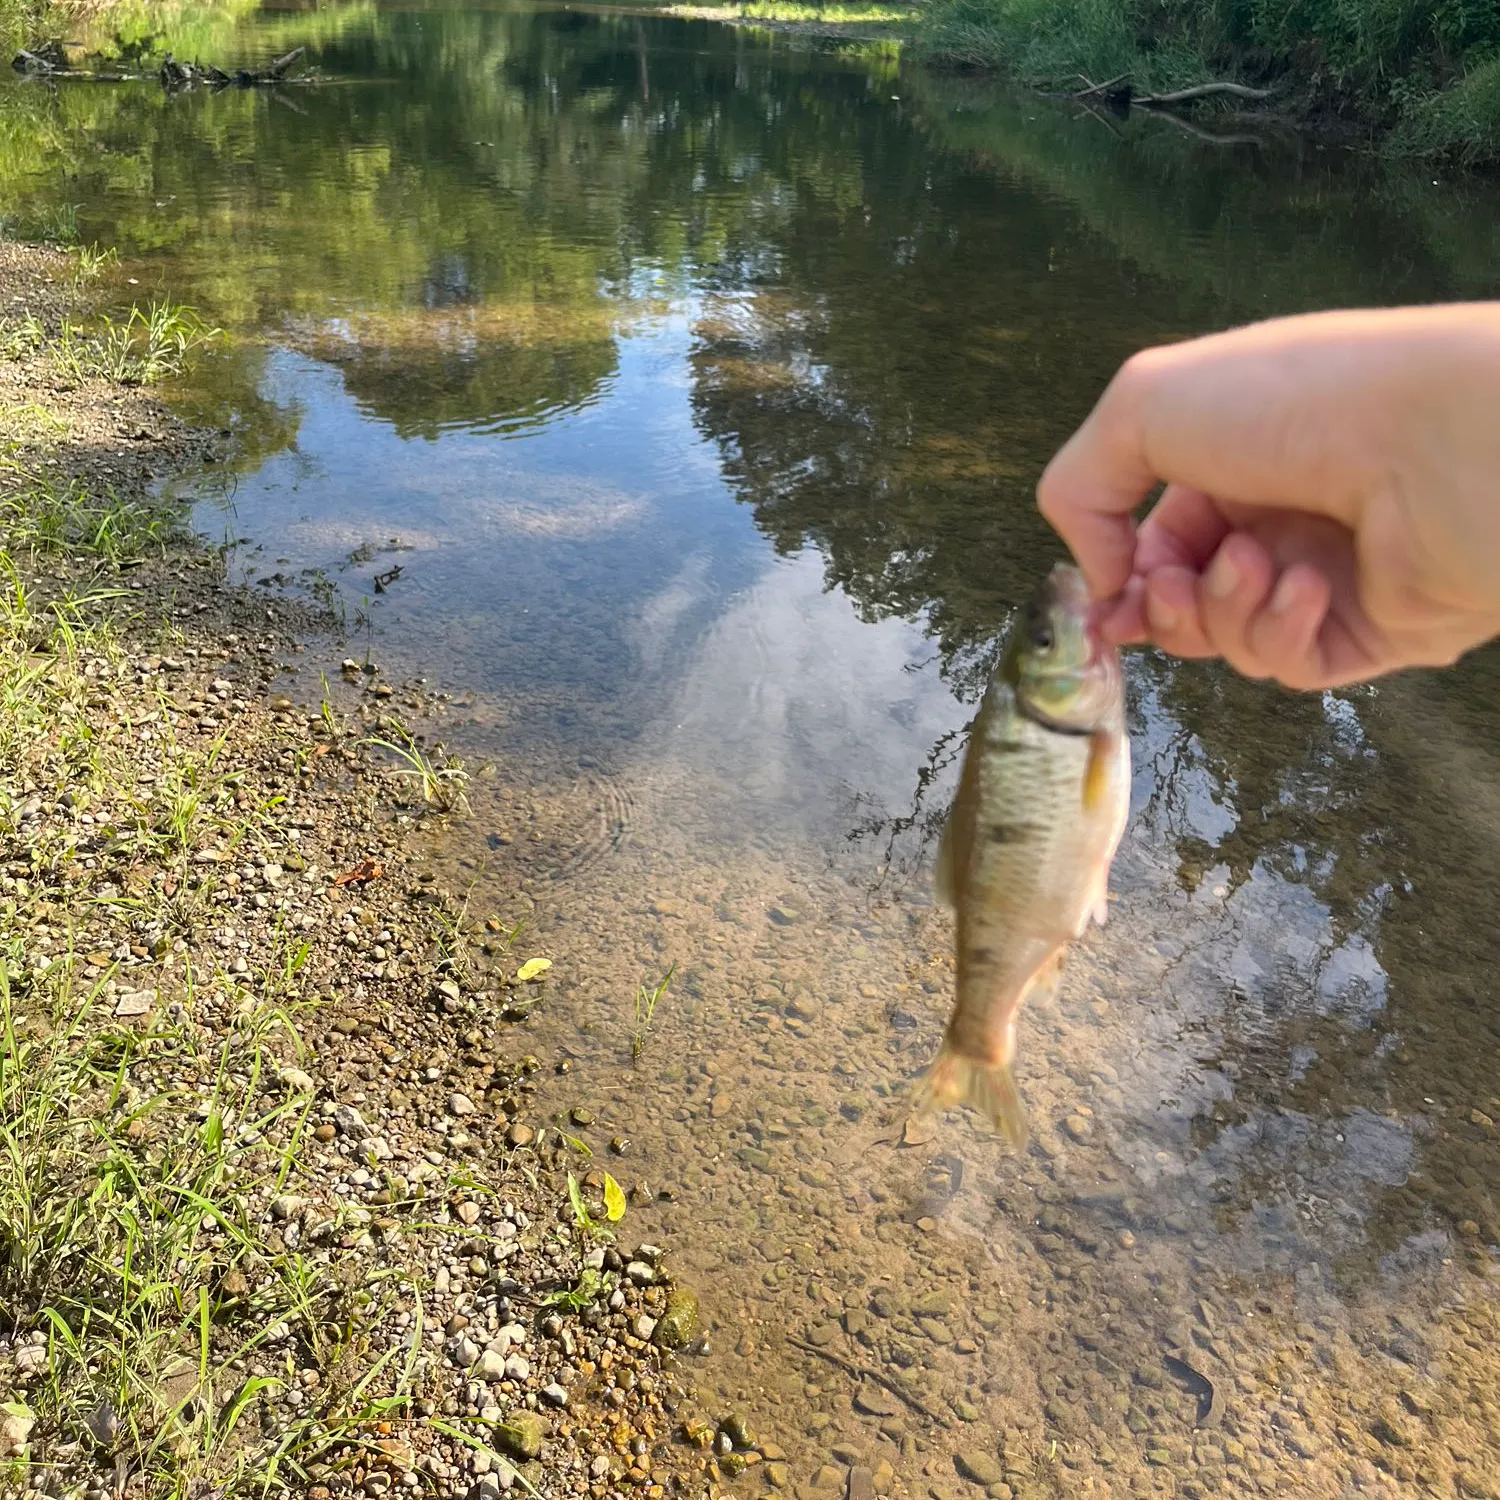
<point x="1067" y="589"/>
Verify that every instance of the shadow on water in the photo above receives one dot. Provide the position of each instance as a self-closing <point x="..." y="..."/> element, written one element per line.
<point x="699" y="381"/>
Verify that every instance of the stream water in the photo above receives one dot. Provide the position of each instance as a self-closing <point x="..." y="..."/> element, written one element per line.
<point x="697" y="381"/>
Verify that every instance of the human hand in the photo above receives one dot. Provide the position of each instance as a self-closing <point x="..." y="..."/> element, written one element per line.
<point x="1331" y="508"/>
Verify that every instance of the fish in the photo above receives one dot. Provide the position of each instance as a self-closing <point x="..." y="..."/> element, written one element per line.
<point x="1041" y="807"/>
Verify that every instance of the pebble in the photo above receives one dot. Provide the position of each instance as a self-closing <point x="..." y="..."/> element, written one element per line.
<point x="520" y="1135"/>
<point x="460" y="1104"/>
<point x="298" y="1081"/>
<point x="492" y="1366"/>
<point x="555" y="1393"/>
<point x="979" y="1467"/>
<point x="641" y="1273"/>
<point x="876" y="1401"/>
<point x="861" y="1484"/>
<point x="1078" y="1127"/>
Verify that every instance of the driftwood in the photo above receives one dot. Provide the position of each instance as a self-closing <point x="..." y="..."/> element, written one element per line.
<point x="1119" y="95"/>
<point x="51" y="62"/>
<point x="1201" y="91"/>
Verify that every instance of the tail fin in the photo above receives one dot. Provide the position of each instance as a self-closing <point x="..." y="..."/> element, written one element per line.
<point x="986" y="1087"/>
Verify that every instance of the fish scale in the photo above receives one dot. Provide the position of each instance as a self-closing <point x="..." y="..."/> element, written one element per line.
<point x="1039" y="811"/>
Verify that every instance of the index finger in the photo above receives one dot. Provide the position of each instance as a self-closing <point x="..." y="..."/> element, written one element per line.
<point x="1090" y="490"/>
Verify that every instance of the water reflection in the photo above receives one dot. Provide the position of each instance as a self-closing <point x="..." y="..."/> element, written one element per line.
<point x="699" y="387"/>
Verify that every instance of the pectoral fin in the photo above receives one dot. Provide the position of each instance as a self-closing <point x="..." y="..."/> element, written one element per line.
<point x="1096" y="774"/>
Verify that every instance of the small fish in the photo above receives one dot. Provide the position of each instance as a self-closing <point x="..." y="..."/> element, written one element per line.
<point x="1040" y="808"/>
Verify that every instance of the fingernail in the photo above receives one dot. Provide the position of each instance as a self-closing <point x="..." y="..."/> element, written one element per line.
<point x="1223" y="577"/>
<point x="1284" y="595"/>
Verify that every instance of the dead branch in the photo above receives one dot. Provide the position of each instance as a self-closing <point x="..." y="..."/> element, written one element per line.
<point x="1201" y="91"/>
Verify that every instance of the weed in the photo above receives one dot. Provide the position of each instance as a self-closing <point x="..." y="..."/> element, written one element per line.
<point x="91" y="262"/>
<point x="47" y="515"/>
<point x="148" y="345"/>
<point x="645" y="1010"/>
<point x="590" y="1286"/>
<point x="441" y="783"/>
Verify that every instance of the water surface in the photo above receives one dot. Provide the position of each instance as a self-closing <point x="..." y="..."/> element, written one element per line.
<point x="697" y="382"/>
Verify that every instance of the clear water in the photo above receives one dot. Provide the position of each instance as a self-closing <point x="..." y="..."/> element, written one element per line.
<point x="697" y="380"/>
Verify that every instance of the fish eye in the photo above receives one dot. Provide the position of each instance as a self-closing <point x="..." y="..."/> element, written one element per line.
<point x="1038" y="630"/>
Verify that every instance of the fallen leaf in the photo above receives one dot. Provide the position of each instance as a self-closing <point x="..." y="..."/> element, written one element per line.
<point x="614" y="1200"/>
<point x="533" y="968"/>
<point x="364" y="872"/>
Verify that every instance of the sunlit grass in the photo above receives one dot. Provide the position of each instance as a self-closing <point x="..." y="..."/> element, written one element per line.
<point x="40" y="515"/>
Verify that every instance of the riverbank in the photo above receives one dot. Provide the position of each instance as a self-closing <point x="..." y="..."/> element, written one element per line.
<point x="276" y="1213"/>
<point x="1418" y="86"/>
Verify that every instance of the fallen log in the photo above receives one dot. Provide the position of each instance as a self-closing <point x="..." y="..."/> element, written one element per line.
<point x="174" y="76"/>
<point x="1201" y="91"/>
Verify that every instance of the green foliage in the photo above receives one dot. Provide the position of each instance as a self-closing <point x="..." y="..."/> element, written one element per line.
<point x="646" y="1002"/>
<point x="44" y="515"/>
<point x="587" y="1290"/>
<point x="1428" y="67"/>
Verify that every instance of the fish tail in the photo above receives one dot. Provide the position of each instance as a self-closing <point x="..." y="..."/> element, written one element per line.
<point x="987" y="1087"/>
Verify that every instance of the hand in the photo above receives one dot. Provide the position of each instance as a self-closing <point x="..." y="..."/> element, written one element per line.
<point x="1331" y="508"/>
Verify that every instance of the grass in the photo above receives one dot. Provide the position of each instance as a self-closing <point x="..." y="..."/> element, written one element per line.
<point x="1427" y="73"/>
<point x="42" y="515"/>
<point x="148" y="345"/>
<point x="440" y="782"/>
<point x="132" y="1256"/>
<point x="833" y="14"/>
<point x="646" y="1002"/>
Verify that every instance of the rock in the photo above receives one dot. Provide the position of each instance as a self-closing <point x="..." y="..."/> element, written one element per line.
<point x="720" y="1105"/>
<point x="979" y="1467"/>
<point x="679" y="1322"/>
<point x="468" y="1212"/>
<point x="556" y="1394"/>
<point x="736" y="1427"/>
<point x="1078" y="1127"/>
<point x="783" y="916"/>
<point x="460" y="1104"/>
<point x="298" y="1081"/>
<point x="491" y="1366"/>
<point x="861" y="1484"/>
<point x="918" y="1130"/>
<point x="803" y="1007"/>
<point x="448" y="991"/>
<point x="466" y="1353"/>
<point x="643" y="1327"/>
<point x="875" y="1401"/>
<point x="517" y="1367"/>
<point x="580" y="1116"/>
<point x="521" y="1434"/>
<point x="287" y="1206"/>
<point x="847" y="1454"/>
<point x="778" y="1476"/>
<point x="640" y="1273"/>
<point x="103" y="1425"/>
<point x="826" y="1477"/>
<point x="520" y="1135"/>
<point x="884" y="1477"/>
<point x="135" y="1003"/>
<point x="16" y="1422"/>
<point x="351" y="1123"/>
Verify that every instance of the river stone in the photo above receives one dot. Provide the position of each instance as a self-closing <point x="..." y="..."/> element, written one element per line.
<point x="861" y="1484"/>
<point x="826" y="1477"/>
<point x="875" y="1401"/>
<point x="980" y="1467"/>
<point x="736" y="1427"/>
<point x="679" y="1322"/>
<point x="521" y="1435"/>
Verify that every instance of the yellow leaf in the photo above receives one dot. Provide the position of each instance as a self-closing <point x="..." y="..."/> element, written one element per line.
<point x="614" y="1200"/>
<point x="533" y="968"/>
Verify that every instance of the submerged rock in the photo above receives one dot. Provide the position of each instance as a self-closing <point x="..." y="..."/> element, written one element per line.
<point x="521" y="1435"/>
<point x="680" y="1320"/>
